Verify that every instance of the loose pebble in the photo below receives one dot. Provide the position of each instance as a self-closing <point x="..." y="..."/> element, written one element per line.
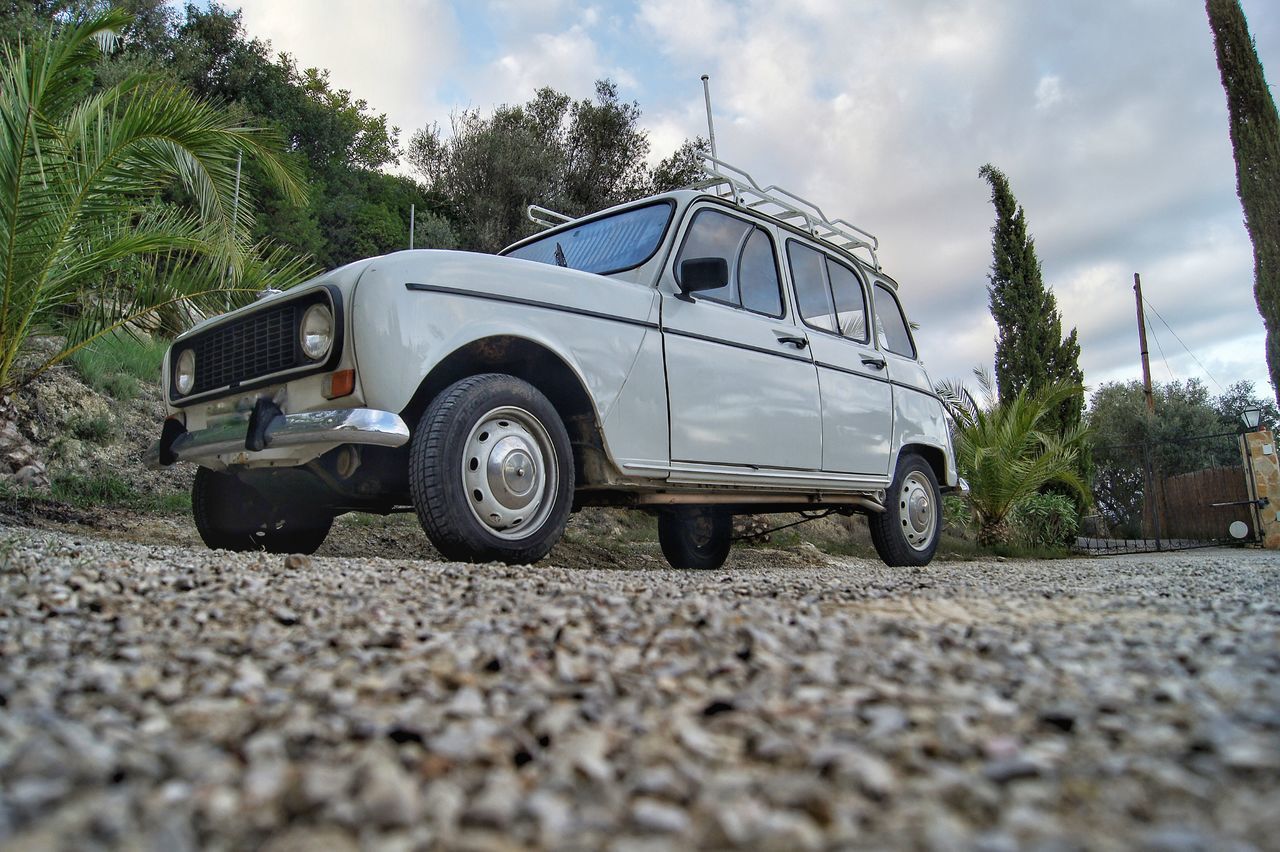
<point x="161" y="697"/>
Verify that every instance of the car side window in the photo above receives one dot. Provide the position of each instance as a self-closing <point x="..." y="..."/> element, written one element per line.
<point x="754" y="283"/>
<point x="813" y="298"/>
<point x="851" y="302"/>
<point x="758" y="276"/>
<point x="891" y="325"/>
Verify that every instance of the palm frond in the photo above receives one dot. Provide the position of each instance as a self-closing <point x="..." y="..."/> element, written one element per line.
<point x="1004" y="449"/>
<point x="84" y="243"/>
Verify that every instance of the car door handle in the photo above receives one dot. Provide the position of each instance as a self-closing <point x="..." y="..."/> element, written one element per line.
<point x="874" y="363"/>
<point x="792" y="340"/>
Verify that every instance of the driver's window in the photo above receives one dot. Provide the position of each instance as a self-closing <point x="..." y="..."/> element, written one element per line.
<point x="754" y="283"/>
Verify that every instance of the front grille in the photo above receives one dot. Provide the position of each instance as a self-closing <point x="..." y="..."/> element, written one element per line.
<point x="256" y="345"/>
<point x="257" y="348"/>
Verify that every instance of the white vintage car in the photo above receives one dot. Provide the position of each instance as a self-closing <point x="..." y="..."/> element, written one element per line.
<point x="696" y="354"/>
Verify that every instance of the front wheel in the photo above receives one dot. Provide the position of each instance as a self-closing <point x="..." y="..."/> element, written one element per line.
<point x="906" y="533"/>
<point x="491" y="471"/>
<point x="231" y="515"/>
<point x="695" y="538"/>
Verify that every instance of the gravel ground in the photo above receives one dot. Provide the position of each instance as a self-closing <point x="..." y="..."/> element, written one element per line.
<point x="163" y="697"/>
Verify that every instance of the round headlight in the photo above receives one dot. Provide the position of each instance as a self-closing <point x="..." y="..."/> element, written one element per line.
<point x="184" y="373"/>
<point x="317" y="332"/>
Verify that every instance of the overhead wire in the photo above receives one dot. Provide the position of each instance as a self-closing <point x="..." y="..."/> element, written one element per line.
<point x="1160" y="348"/>
<point x="1184" y="346"/>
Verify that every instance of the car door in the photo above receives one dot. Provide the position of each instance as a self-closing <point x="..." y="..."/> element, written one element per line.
<point x="918" y="413"/>
<point x="740" y="381"/>
<point x="857" y="399"/>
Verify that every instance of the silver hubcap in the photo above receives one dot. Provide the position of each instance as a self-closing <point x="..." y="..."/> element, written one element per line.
<point x="918" y="510"/>
<point x="510" y="473"/>
<point x="700" y="529"/>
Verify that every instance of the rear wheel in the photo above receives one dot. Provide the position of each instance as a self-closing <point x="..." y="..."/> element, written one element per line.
<point x="491" y="471"/>
<point x="695" y="538"/>
<point x="906" y="533"/>
<point x="230" y="515"/>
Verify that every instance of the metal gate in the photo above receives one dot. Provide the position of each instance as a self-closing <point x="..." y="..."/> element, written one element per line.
<point x="1170" y="495"/>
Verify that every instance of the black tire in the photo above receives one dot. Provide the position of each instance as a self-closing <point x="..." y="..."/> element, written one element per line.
<point x="230" y="515"/>
<point x="906" y="533"/>
<point x="697" y="539"/>
<point x="481" y="441"/>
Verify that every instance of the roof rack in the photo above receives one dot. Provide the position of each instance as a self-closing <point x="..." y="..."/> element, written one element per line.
<point x="545" y="217"/>
<point x="786" y="206"/>
<point x="772" y="200"/>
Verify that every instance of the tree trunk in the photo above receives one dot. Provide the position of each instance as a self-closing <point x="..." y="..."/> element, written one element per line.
<point x="993" y="533"/>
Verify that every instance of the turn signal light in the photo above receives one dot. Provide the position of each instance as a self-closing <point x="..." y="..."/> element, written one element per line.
<point x="338" y="384"/>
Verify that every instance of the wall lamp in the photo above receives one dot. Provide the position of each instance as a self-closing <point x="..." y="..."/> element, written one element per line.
<point x="1251" y="417"/>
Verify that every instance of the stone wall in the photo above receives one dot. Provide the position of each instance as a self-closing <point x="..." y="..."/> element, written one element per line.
<point x="1260" y="451"/>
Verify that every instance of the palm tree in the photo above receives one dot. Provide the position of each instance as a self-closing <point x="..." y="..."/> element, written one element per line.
<point x="87" y="247"/>
<point x="1005" y="453"/>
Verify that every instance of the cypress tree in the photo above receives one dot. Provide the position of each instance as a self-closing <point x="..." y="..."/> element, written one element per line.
<point x="1031" y="352"/>
<point x="1255" y="141"/>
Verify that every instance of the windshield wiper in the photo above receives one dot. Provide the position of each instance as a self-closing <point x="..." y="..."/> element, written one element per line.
<point x="560" y="258"/>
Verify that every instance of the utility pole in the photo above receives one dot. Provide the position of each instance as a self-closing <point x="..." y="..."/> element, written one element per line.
<point x="1152" y="501"/>
<point x="1142" y="340"/>
<point x="411" y="206"/>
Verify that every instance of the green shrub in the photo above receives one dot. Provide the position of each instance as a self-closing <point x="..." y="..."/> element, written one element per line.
<point x="116" y="363"/>
<point x="121" y="387"/>
<point x="95" y="428"/>
<point x="81" y="490"/>
<point x="1045" y="521"/>
<point x="167" y="502"/>
<point x="957" y="516"/>
<point x="110" y="489"/>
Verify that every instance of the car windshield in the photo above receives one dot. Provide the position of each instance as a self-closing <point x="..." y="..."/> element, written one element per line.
<point x="607" y="245"/>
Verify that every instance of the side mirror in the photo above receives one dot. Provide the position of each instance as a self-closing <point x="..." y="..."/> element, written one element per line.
<point x="703" y="273"/>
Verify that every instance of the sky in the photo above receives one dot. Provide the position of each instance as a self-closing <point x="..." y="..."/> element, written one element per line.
<point x="1108" y="117"/>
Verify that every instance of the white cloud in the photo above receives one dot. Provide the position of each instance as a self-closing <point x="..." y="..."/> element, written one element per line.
<point x="518" y="17"/>
<point x="392" y="53"/>
<point x="687" y="26"/>
<point x="1048" y="92"/>
<point x="567" y="61"/>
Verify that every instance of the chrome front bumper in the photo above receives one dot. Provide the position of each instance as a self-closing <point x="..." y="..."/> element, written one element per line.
<point x="310" y="429"/>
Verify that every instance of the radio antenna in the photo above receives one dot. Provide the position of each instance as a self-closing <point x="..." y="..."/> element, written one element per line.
<point x="711" y="127"/>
